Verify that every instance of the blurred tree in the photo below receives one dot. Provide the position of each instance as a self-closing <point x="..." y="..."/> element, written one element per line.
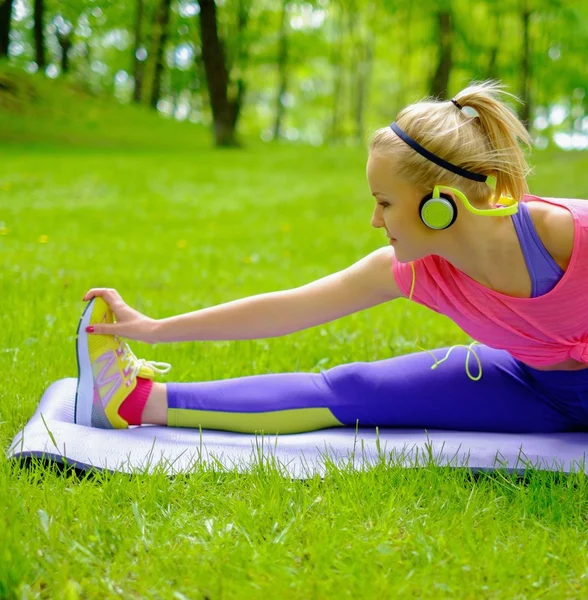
<point x="560" y="39"/>
<point x="64" y="33"/>
<point x="362" y="25"/>
<point x="314" y="70"/>
<point x="533" y="17"/>
<point x="137" y="49"/>
<point x="354" y="33"/>
<point x="5" y="22"/>
<point x="444" y="38"/>
<point x="336" y="62"/>
<point x="64" y="16"/>
<point x="407" y="22"/>
<point x="161" y="32"/>
<point x="187" y="81"/>
<point x="282" y="64"/>
<point x="495" y="29"/>
<point x="525" y="83"/>
<point x="39" y="33"/>
<point x="225" y="93"/>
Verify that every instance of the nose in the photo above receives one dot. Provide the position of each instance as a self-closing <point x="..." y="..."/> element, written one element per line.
<point x="377" y="220"/>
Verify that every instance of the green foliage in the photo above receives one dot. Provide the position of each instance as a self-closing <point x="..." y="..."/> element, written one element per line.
<point x="352" y="64"/>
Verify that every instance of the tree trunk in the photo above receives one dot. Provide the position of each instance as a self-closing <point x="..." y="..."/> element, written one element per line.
<point x="282" y="73"/>
<point x="363" y="80"/>
<point x="215" y="68"/>
<point x="440" y="80"/>
<point x="160" y="38"/>
<point x="354" y="60"/>
<point x="493" y="59"/>
<point x="88" y="59"/>
<point x="525" y="110"/>
<point x="365" y="45"/>
<point x="65" y="44"/>
<point x="405" y="59"/>
<point x="241" y="59"/>
<point x="39" y="31"/>
<point x="225" y="110"/>
<point x="137" y="64"/>
<point x="337" y="63"/>
<point x="494" y="35"/>
<point x="200" y="102"/>
<point x="5" y="16"/>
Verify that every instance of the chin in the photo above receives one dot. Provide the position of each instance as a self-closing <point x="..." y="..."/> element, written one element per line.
<point x="399" y="255"/>
<point x="401" y="259"/>
<point x="402" y="256"/>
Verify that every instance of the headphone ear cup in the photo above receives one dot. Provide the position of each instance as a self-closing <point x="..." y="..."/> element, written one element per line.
<point x="422" y="205"/>
<point x="438" y="213"/>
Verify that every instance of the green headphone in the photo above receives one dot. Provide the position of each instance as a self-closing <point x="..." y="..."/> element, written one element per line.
<point x="438" y="210"/>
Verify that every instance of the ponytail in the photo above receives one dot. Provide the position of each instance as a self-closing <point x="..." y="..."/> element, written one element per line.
<point x="485" y="140"/>
<point x="504" y="130"/>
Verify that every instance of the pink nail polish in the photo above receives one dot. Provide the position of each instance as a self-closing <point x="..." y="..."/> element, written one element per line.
<point x="90" y="329"/>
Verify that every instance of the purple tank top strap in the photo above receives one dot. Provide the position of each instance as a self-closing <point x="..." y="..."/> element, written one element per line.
<point x="544" y="271"/>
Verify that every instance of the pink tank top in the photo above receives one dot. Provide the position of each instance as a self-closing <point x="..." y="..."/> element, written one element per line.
<point x="540" y="331"/>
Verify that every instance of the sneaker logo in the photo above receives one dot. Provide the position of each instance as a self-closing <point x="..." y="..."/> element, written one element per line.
<point x="128" y="370"/>
<point x="102" y="380"/>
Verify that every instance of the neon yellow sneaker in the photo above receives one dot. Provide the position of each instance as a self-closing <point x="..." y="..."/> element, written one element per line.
<point x="107" y="371"/>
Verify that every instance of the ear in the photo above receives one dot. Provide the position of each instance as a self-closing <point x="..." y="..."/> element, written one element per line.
<point x="448" y="194"/>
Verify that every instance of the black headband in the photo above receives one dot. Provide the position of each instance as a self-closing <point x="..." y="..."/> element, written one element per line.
<point x="434" y="158"/>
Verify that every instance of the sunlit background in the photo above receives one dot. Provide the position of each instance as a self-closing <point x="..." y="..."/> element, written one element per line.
<point x="322" y="72"/>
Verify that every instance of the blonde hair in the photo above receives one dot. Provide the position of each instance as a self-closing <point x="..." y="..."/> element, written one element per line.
<point x="485" y="144"/>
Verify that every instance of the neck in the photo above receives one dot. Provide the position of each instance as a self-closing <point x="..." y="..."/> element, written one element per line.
<point x="478" y="246"/>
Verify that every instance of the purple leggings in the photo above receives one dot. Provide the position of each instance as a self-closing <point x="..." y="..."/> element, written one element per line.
<point x="395" y="392"/>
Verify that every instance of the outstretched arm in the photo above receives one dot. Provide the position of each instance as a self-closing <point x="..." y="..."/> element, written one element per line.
<point x="368" y="282"/>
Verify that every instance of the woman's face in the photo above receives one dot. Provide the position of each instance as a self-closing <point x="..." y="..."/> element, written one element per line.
<point x="397" y="210"/>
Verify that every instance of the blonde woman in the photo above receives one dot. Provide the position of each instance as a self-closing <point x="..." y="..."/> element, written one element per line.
<point x="465" y="239"/>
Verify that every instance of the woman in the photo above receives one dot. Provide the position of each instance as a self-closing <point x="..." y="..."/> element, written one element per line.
<point x="515" y="282"/>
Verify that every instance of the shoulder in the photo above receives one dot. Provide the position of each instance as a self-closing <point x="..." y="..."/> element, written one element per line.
<point x="555" y="228"/>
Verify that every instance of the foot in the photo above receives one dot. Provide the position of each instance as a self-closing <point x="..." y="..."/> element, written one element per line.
<point x="107" y="371"/>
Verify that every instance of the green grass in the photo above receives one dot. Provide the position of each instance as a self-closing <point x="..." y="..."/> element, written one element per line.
<point x="256" y="221"/>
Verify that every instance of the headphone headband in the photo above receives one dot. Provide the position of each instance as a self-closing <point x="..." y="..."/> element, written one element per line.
<point x="436" y="159"/>
<point x="511" y="206"/>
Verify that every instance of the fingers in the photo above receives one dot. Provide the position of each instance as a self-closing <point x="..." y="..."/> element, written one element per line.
<point x="108" y="294"/>
<point x="103" y="329"/>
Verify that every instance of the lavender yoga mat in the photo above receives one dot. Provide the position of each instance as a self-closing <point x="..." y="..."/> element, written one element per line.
<point x="51" y="434"/>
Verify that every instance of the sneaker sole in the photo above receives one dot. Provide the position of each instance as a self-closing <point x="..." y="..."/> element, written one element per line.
<point x="85" y="387"/>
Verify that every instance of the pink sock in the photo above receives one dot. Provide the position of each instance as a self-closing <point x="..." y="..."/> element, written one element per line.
<point x="131" y="410"/>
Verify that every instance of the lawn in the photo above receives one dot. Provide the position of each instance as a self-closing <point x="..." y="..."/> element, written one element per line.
<point x="180" y="227"/>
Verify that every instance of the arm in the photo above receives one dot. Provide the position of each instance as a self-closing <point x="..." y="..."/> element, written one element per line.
<point x="366" y="283"/>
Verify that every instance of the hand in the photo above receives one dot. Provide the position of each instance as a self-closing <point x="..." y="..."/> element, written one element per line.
<point x="130" y="323"/>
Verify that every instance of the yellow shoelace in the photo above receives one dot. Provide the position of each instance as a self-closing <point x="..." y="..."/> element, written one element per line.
<point x="137" y="363"/>
<point x="438" y="362"/>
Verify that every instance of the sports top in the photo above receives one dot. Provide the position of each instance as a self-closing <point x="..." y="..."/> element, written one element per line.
<point x="546" y="329"/>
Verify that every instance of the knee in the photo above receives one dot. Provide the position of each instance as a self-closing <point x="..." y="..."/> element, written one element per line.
<point x="350" y="380"/>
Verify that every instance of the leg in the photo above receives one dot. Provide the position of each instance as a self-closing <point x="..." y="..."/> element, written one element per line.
<point x="397" y="392"/>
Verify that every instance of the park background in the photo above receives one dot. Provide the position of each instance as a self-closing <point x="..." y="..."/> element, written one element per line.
<point x="136" y="154"/>
<point x="318" y="72"/>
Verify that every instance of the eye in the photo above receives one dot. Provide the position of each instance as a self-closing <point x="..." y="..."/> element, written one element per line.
<point x="384" y="204"/>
